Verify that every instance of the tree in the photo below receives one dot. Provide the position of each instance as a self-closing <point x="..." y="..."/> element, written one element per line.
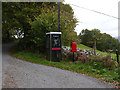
<point x="96" y="36"/>
<point x="17" y="16"/>
<point x="86" y="37"/>
<point x="102" y="41"/>
<point x="47" y="21"/>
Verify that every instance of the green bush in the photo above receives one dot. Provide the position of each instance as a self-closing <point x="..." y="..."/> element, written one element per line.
<point x="109" y="63"/>
<point x="104" y="61"/>
<point x="97" y="58"/>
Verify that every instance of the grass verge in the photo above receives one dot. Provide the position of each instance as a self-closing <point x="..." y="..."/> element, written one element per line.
<point x="89" y="69"/>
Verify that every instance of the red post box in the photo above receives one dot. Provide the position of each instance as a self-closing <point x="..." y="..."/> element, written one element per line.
<point x="73" y="47"/>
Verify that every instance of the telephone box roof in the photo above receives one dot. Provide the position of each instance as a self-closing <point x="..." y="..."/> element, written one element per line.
<point x="53" y="33"/>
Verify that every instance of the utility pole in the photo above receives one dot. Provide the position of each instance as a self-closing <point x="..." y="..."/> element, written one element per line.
<point x="58" y="16"/>
<point x="117" y="54"/>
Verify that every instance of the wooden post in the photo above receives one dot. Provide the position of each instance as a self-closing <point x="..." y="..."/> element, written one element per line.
<point x="94" y="47"/>
<point x="117" y="56"/>
<point x="73" y="56"/>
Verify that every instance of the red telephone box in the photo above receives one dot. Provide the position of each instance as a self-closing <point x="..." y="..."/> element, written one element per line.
<point x="73" y="47"/>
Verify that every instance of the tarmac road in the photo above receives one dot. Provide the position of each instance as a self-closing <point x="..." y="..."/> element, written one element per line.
<point x="21" y="74"/>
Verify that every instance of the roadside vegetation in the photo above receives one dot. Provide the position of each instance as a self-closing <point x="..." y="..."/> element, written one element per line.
<point x="81" y="46"/>
<point x="94" y="68"/>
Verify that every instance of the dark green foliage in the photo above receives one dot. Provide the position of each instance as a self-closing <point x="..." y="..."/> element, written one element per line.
<point x="31" y="20"/>
<point x="104" y="42"/>
<point x="16" y="17"/>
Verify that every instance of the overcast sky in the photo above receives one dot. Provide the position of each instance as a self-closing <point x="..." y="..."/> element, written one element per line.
<point x="90" y="20"/>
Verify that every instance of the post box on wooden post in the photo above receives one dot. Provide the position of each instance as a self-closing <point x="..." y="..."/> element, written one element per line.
<point x="73" y="47"/>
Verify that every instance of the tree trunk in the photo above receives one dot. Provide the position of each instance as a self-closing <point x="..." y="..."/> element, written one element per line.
<point x="94" y="47"/>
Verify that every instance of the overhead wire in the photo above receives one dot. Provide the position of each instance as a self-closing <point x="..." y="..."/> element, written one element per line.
<point x="95" y="11"/>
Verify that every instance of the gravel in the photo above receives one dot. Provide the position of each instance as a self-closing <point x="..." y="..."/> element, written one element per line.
<point x="21" y="74"/>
